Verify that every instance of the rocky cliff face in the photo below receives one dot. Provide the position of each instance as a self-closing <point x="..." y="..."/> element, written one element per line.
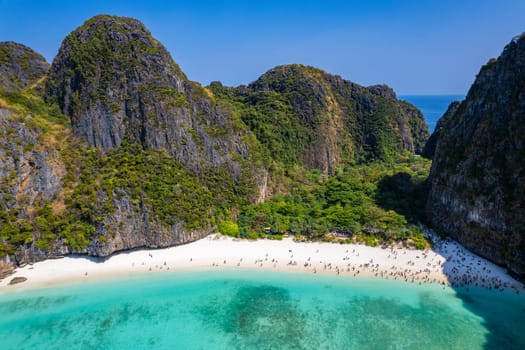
<point x="127" y="152"/>
<point x="31" y="172"/>
<point x="51" y="208"/>
<point x="130" y="162"/>
<point x="478" y="172"/>
<point x="309" y="117"/>
<point x="117" y="83"/>
<point x="20" y="67"/>
<point x="30" y="167"/>
<point x="430" y="146"/>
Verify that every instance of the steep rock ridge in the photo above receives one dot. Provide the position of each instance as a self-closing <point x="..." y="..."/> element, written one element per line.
<point x="117" y="83"/>
<point x="120" y="87"/>
<point x="60" y="196"/>
<point x="478" y="172"/>
<point x="20" y="67"/>
<point x="309" y="117"/>
<point x="31" y="173"/>
<point x="128" y="153"/>
<point x="33" y="169"/>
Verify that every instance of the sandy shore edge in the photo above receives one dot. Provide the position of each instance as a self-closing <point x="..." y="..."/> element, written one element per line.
<point x="448" y="263"/>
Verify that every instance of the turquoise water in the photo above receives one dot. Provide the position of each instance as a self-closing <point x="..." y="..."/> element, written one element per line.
<point x="259" y="310"/>
<point x="432" y="106"/>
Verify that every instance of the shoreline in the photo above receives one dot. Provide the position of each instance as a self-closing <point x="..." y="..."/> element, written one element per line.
<point x="447" y="264"/>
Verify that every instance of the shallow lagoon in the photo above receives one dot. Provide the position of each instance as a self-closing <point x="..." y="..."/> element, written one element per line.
<point x="259" y="310"/>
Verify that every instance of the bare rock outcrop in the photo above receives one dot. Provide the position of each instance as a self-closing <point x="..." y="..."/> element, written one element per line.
<point x="477" y="179"/>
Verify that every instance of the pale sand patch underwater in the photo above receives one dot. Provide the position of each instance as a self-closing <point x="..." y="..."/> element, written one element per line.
<point x="447" y="264"/>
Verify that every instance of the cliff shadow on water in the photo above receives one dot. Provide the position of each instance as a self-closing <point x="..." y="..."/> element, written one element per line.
<point x="501" y="308"/>
<point x="477" y="187"/>
<point x="500" y="304"/>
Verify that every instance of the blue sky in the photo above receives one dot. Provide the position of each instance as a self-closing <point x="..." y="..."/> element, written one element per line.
<point x="417" y="47"/>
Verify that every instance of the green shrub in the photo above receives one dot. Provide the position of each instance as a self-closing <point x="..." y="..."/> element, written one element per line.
<point x="275" y="237"/>
<point x="371" y="241"/>
<point x="229" y="228"/>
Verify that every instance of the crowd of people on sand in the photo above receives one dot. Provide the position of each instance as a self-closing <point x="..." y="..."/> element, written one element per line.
<point x="447" y="264"/>
<point x="465" y="269"/>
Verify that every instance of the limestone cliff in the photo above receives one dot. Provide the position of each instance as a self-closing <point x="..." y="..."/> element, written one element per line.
<point x="31" y="172"/>
<point x="59" y="196"/>
<point x="117" y="83"/>
<point x="477" y="179"/>
<point x="123" y="151"/>
<point x="20" y="67"/>
<point x="430" y="146"/>
<point x="309" y="117"/>
<point x="138" y="156"/>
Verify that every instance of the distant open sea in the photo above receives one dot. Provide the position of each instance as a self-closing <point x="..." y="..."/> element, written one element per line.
<point x="432" y="106"/>
<point x="259" y="310"/>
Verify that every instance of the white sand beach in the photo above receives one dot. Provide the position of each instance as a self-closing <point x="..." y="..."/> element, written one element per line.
<point x="447" y="264"/>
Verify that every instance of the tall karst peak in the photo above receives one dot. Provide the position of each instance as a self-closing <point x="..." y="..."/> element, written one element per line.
<point x="151" y="159"/>
<point x="478" y="171"/>
<point x="307" y="116"/>
<point x="117" y="83"/>
<point x="20" y="67"/>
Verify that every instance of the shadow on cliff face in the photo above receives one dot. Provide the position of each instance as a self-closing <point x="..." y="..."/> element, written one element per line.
<point x="400" y="193"/>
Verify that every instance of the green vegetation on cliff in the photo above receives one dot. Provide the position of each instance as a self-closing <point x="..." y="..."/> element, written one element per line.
<point x="21" y="67"/>
<point x="372" y="203"/>
<point x="477" y="181"/>
<point x="307" y="117"/>
<point x="127" y="152"/>
<point x="151" y="180"/>
<point x="31" y="130"/>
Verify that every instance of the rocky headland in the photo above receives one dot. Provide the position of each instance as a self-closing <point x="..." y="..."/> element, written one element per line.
<point x="477" y="180"/>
